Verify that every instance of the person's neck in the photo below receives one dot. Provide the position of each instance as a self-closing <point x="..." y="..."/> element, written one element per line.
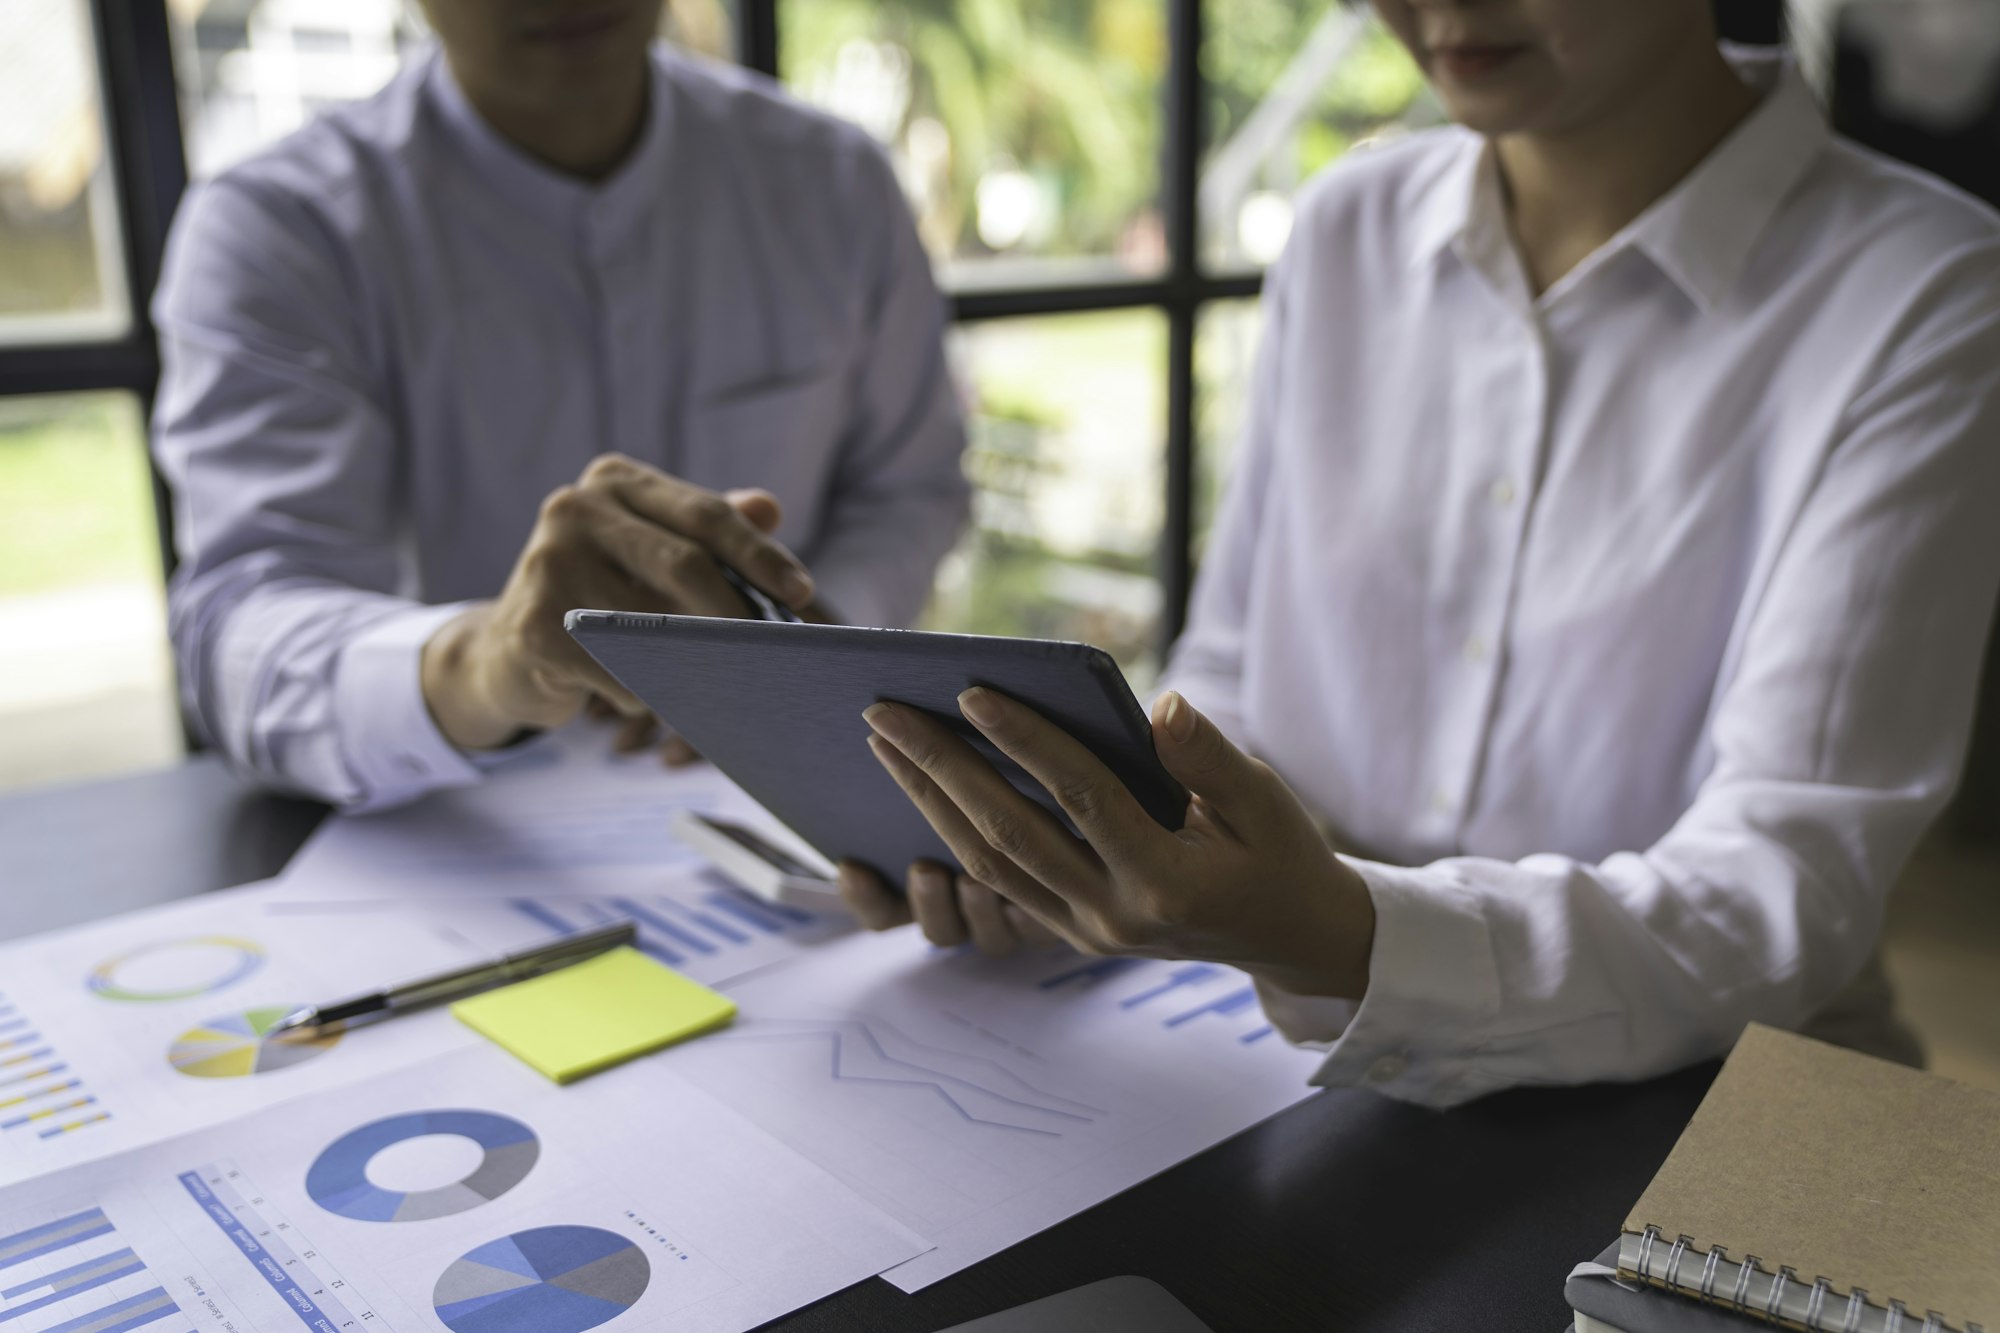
<point x="1569" y="192"/>
<point x="588" y="135"/>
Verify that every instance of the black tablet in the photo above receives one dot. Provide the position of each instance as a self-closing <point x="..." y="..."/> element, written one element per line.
<point x="778" y="707"/>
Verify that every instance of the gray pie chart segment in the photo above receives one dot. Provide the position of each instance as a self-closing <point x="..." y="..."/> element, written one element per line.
<point x="505" y="1167"/>
<point x="443" y="1201"/>
<point x="465" y="1282"/>
<point x="619" y="1277"/>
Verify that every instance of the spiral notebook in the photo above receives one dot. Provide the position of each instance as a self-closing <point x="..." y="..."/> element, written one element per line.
<point x="1820" y="1189"/>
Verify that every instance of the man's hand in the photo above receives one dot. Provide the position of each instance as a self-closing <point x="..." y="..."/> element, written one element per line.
<point x="1248" y="880"/>
<point x="625" y="537"/>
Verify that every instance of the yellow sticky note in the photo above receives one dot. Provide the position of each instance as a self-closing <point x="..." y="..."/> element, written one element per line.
<point x="596" y="1014"/>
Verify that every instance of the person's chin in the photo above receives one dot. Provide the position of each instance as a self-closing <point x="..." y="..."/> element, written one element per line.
<point x="616" y="37"/>
<point x="1504" y="98"/>
<point x="1494" y="112"/>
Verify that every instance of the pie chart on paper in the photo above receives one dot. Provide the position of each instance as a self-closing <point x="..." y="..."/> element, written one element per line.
<point x="548" y="1280"/>
<point x="239" y="1044"/>
<point x="338" y="1179"/>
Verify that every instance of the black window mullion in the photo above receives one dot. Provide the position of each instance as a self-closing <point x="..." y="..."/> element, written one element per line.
<point x="757" y="35"/>
<point x="1181" y="184"/>
<point x="143" y="133"/>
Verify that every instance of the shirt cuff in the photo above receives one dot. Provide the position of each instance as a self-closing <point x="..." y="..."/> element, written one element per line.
<point x="1433" y="988"/>
<point x="389" y="741"/>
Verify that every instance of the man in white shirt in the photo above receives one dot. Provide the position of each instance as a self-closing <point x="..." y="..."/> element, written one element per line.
<point x="1608" y="565"/>
<point x="558" y="319"/>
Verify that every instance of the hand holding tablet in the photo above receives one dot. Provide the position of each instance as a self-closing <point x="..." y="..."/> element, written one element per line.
<point x="1025" y="763"/>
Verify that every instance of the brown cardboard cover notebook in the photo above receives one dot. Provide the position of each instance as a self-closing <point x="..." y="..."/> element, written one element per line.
<point x="1841" y="1172"/>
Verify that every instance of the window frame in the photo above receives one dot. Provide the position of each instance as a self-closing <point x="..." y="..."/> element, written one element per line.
<point x="147" y="154"/>
<point x="1180" y="294"/>
<point x="142" y="144"/>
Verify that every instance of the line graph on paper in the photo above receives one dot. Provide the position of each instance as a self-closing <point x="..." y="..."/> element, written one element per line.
<point x="979" y="1089"/>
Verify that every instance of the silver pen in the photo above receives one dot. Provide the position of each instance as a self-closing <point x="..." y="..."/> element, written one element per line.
<point x="315" y="1019"/>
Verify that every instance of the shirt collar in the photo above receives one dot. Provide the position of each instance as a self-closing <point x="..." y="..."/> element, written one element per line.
<point x="560" y="201"/>
<point x="1701" y="232"/>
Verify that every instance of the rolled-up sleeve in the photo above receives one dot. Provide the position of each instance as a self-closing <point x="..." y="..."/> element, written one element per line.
<point x="298" y="657"/>
<point x="899" y="498"/>
<point x="1838" y="736"/>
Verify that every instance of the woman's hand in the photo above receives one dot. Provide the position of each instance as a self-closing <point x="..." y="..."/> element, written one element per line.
<point x="1247" y="881"/>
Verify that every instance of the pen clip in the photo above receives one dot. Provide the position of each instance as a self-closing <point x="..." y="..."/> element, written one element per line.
<point x="762" y="605"/>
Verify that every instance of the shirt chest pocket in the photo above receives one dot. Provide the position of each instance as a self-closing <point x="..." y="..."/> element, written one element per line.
<point x="783" y="434"/>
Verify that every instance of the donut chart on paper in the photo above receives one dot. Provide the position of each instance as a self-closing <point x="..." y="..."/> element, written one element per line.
<point x="338" y="1178"/>
<point x="237" y="1045"/>
<point x="548" y="1280"/>
<point x="176" y="969"/>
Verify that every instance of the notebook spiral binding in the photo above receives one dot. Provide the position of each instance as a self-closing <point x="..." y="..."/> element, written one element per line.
<point x="1822" y="1305"/>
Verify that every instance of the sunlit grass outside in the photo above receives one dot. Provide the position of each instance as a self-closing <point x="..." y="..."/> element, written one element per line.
<point x="76" y="503"/>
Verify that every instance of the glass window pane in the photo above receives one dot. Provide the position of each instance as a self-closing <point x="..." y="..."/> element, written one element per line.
<point x="86" y="682"/>
<point x="1026" y="132"/>
<point x="1225" y="356"/>
<point x="707" y="27"/>
<point x="1068" y="454"/>
<point x="252" y="71"/>
<point x="1291" y="86"/>
<point x="62" y="275"/>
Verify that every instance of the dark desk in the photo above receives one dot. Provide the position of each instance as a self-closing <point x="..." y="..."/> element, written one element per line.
<point x="1346" y="1214"/>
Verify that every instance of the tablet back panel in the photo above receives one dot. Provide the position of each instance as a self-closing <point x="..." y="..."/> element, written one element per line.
<point x="778" y="707"/>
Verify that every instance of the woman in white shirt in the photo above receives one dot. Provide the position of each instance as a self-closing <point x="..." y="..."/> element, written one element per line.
<point x="1608" y="562"/>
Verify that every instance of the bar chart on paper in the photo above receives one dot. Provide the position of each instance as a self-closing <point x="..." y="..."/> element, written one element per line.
<point x="710" y="931"/>
<point x="41" y="1097"/>
<point x="75" y="1274"/>
<point x="1176" y="994"/>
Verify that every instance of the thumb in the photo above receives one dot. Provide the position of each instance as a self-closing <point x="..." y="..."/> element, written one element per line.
<point x="759" y="507"/>
<point x="1208" y="763"/>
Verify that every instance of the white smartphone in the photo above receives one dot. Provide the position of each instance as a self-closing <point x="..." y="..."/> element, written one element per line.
<point x="753" y="862"/>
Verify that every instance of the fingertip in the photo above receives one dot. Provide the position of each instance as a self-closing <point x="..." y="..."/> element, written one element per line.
<point x="869" y="898"/>
<point x="758" y="506"/>
<point x="1173" y="714"/>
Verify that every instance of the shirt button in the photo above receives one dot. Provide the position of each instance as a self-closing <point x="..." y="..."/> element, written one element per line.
<point x="1502" y="493"/>
<point x="1388" y="1069"/>
<point x="1475" y="649"/>
<point x="1441" y="801"/>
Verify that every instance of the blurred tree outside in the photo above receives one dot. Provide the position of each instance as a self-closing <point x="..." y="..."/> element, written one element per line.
<point x="1065" y="455"/>
<point x="61" y="273"/>
<point x="1020" y="128"/>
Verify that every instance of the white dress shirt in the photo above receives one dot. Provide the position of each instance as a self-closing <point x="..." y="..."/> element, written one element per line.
<point x="389" y="337"/>
<point x="1632" y="630"/>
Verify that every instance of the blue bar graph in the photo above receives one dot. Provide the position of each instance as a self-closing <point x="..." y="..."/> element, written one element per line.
<point x="63" y="1284"/>
<point x="542" y="914"/>
<point x="16" y="1078"/>
<point x="1234" y="1002"/>
<point x="673" y="931"/>
<point x="44" y="1112"/>
<point x="52" y="1236"/>
<point x="132" y="1312"/>
<point x="713" y="924"/>
<point x="646" y="916"/>
<point x="757" y="915"/>
<point x="1190" y="974"/>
